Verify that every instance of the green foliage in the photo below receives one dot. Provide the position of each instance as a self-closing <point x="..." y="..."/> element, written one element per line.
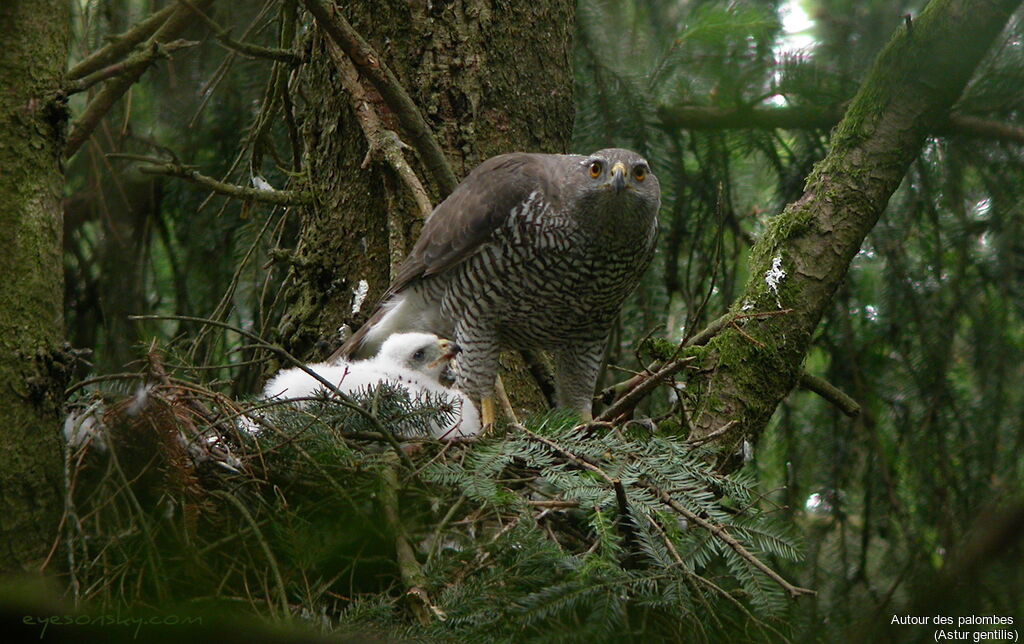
<point x="521" y="541"/>
<point x="927" y="335"/>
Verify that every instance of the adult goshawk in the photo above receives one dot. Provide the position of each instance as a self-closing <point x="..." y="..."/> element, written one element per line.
<point x="529" y="251"/>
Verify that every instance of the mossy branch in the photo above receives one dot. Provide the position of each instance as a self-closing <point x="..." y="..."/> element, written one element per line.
<point x="146" y="57"/>
<point x="408" y="567"/>
<point x="831" y="393"/>
<point x="804" y="256"/>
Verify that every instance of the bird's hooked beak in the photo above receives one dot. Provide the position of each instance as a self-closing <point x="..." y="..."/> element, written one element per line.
<point x="449" y="350"/>
<point x="618" y="175"/>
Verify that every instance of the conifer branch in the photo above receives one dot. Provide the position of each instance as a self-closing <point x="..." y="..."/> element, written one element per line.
<point x="624" y="520"/>
<point x="720" y="533"/>
<point x="282" y="594"/>
<point x="339" y="396"/>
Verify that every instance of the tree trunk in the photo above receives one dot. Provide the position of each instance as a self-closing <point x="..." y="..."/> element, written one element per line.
<point x="804" y="255"/>
<point x="32" y="371"/>
<point x="487" y="77"/>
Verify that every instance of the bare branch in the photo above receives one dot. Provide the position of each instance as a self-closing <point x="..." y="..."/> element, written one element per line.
<point x="145" y="57"/>
<point x="624" y="405"/>
<point x="248" y="50"/>
<point x="983" y="128"/>
<point x="696" y="117"/>
<point x="408" y="567"/>
<point x="382" y="145"/>
<point x="623" y="389"/>
<point x="120" y="45"/>
<point x="373" y="67"/>
<point x="167" y="168"/>
<point x="115" y="88"/>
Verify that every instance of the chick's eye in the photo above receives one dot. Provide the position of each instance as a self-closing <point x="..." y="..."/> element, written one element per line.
<point x="595" y="169"/>
<point x="418" y="355"/>
<point x="640" y="172"/>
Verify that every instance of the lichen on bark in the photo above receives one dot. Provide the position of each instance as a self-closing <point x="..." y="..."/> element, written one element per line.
<point x="32" y="124"/>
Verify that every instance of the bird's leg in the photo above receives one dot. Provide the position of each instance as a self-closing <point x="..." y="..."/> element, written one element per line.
<point x="576" y="369"/>
<point x="486" y="414"/>
<point x="475" y="371"/>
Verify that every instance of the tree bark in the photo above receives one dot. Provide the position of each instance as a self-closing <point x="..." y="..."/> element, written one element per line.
<point x="32" y="123"/>
<point x="487" y="77"/>
<point x="806" y="251"/>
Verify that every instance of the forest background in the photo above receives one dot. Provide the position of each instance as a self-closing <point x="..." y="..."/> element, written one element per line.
<point x="837" y="292"/>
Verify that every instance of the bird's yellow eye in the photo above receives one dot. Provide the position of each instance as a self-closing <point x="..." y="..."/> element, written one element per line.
<point x="640" y="172"/>
<point x="595" y="169"/>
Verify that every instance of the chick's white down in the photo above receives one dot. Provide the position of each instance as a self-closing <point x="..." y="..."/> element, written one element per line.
<point x="415" y="361"/>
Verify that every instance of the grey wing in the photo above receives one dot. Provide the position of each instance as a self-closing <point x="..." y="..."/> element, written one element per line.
<point x="461" y="224"/>
<point x="467" y="219"/>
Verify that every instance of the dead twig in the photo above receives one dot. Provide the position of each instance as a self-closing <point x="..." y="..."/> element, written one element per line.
<point x="342" y="398"/>
<point x="248" y="50"/>
<point x="120" y="45"/>
<point x="116" y="87"/>
<point x="647" y="383"/>
<point x="620" y="391"/>
<point x="146" y="57"/>
<point x="167" y="168"/>
<point x="383" y="144"/>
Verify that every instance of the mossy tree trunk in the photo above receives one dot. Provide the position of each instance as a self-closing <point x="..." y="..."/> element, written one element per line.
<point x="32" y="62"/>
<point x="806" y="252"/>
<point x="488" y="77"/>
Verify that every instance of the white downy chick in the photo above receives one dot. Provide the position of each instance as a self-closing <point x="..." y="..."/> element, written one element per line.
<point x="415" y="361"/>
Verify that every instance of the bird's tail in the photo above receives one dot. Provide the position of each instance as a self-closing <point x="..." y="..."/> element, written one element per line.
<point x="389" y="317"/>
<point x="352" y="347"/>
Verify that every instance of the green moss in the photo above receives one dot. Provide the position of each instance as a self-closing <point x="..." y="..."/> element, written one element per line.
<point x="658" y="348"/>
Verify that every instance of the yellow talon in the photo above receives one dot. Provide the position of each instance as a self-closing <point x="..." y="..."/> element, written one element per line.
<point x="487" y="413"/>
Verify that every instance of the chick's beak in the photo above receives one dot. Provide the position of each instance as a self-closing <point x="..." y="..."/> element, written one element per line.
<point x="618" y="175"/>
<point x="448" y="351"/>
